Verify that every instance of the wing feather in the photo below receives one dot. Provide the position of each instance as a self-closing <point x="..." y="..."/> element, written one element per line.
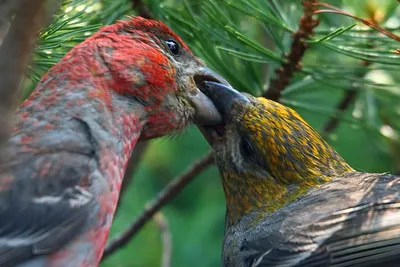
<point x="364" y="234"/>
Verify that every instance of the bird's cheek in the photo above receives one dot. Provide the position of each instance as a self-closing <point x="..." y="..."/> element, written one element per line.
<point x="173" y="115"/>
<point x="160" y="124"/>
<point x="185" y="109"/>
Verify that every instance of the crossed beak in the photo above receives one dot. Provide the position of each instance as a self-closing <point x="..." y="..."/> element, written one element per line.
<point x="222" y="97"/>
<point x="206" y="112"/>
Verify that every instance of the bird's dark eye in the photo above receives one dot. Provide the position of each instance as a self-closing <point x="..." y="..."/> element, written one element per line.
<point x="173" y="46"/>
<point x="246" y="147"/>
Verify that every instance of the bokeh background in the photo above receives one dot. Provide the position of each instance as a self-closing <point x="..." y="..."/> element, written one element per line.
<point x="245" y="41"/>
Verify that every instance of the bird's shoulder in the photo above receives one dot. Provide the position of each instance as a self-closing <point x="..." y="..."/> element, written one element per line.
<point x="347" y="208"/>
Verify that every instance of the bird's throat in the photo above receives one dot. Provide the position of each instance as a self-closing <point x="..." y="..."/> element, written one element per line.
<point x="251" y="195"/>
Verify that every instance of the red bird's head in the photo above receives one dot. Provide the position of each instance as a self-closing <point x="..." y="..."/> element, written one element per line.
<point x="143" y="61"/>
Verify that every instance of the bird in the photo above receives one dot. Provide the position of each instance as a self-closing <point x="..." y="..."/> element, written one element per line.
<point x="291" y="199"/>
<point x="72" y="137"/>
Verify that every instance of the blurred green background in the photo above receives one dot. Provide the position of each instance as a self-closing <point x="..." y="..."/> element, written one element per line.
<point x="246" y="41"/>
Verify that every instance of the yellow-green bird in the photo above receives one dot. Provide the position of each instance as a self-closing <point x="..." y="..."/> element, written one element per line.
<point x="291" y="198"/>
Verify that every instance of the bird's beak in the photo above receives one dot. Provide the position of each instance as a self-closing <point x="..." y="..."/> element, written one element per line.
<point x="206" y="112"/>
<point x="223" y="97"/>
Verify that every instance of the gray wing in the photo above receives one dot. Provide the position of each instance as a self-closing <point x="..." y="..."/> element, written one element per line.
<point x="45" y="196"/>
<point x="353" y="221"/>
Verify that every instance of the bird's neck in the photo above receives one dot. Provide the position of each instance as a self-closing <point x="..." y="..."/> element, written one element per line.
<point x="251" y="198"/>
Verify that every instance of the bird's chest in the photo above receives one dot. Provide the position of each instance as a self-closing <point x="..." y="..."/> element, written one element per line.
<point x="107" y="185"/>
<point x="106" y="189"/>
<point x="234" y="251"/>
<point x="111" y="165"/>
<point x="239" y="247"/>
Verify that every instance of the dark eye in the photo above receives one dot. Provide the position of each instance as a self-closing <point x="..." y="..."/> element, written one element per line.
<point x="173" y="46"/>
<point x="246" y="147"/>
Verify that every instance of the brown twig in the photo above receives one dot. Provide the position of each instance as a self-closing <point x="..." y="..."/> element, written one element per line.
<point x="168" y="193"/>
<point x="292" y="64"/>
<point x="166" y="239"/>
<point x="141" y="8"/>
<point x="15" y="53"/>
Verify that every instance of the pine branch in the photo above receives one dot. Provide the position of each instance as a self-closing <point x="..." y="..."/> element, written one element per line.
<point x="348" y="98"/>
<point x="168" y="193"/>
<point x="352" y="92"/>
<point x="292" y="64"/>
<point x="336" y="10"/>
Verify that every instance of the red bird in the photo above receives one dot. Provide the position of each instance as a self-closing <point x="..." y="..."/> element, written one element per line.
<point x="73" y="137"/>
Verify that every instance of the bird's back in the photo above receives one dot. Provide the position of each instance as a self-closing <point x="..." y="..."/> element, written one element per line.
<point x="353" y="220"/>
